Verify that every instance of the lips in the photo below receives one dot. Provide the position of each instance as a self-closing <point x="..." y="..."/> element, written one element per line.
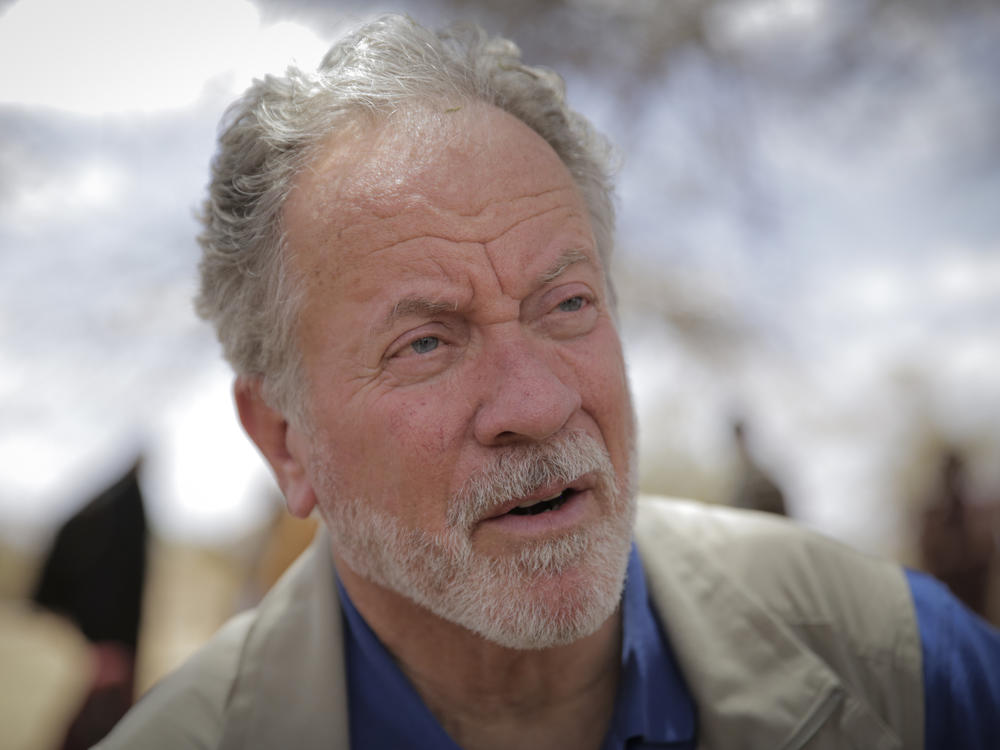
<point x="533" y="508"/>
<point x="545" y="499"/>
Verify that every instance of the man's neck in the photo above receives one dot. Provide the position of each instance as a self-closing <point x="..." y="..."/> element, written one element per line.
<point x="488" y="696"/>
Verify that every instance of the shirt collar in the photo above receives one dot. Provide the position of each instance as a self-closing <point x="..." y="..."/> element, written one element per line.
<point x="653" y="703"/>
<point x="384" y="709"/>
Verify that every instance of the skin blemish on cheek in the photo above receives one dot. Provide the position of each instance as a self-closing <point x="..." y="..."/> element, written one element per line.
<point x="430" y="424"/>
<point x="442" y="437"/>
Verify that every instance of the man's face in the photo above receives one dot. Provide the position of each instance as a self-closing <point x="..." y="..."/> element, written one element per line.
<point x="463" y="374"/>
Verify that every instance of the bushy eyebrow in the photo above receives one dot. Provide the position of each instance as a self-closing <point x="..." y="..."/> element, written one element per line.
<point x="564" y="261"/>
<point x="414" y="307"/>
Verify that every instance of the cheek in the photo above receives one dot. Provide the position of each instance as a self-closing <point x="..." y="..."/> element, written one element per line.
<point x="411" y="437"/>
<point x="608" y="399"/>
<point x="604" y="389"/>
<point x="419" y="425"/>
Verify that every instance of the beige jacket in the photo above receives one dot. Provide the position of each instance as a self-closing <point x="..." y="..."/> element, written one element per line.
<point x="786" y="640"/>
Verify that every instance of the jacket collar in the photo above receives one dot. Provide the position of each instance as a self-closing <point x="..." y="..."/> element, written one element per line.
<point x="293" y="658"/>
<point x="754" y="681"/>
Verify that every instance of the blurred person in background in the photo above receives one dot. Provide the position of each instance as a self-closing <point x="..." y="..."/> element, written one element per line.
<point x="755" y="489"/>
<point x="957" y="545"/>
<point x="405" y="258"/>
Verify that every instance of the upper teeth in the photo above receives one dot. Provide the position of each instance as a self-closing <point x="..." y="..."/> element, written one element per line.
<point x="536" y="502"/>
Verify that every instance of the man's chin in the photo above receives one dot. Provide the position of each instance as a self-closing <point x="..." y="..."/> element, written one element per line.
<point x="524" y="605"/>
<point x="551" y="624"/>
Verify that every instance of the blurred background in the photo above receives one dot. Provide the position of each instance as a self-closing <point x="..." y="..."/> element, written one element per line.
<point x="808" y="275"/>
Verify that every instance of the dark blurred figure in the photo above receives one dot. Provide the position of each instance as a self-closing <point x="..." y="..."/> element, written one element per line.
<point x="755" y="490"/>
<point x="94" y="576"/>
<point x="955" y="546"/>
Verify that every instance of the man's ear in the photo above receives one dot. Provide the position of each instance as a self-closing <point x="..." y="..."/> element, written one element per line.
<point x="283" y="445"/>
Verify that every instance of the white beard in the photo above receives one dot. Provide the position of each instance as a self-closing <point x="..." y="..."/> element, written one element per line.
<point x="546" y="594"/>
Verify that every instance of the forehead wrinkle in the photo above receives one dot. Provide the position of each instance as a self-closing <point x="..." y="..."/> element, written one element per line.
<point x="553" y="271"/>
<point x="416" y="237"/>
<point x="489" y="203"/>
<point x="472" y="236"/>
<point x="458" y="229"/>
<point x="534" y="215"/>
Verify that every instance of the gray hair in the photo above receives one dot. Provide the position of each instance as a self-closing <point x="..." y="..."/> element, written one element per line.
<point x="269" y="134"/>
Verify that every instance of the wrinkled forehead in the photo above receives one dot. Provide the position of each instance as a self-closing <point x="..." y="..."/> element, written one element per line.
<point x="384" y="165"/>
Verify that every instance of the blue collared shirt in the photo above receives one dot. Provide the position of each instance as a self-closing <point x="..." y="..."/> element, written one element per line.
<point x="961" y="670"/>
<point x="386" y="712"/>
<point x="654" y="709"/>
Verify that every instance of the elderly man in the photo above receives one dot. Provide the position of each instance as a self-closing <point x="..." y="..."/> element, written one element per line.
<point x="405" y="257"/>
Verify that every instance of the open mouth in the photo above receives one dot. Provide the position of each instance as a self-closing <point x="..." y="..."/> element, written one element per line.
<point x="543" y="506"/>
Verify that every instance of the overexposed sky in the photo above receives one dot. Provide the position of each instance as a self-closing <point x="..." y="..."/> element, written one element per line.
<point x="115" y="57"/>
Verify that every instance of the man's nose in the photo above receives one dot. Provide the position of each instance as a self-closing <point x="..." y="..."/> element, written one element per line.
<point x="526" y="393"/>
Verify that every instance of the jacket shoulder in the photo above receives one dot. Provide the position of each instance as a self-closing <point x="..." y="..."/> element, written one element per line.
<point x="186" y="708"/>
<point x="716" y="567"/>
<point x="800" y="574"/>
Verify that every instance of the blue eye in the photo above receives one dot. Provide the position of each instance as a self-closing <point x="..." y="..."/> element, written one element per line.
<point x="425" y="344"/>
<point x="572" y="304"/>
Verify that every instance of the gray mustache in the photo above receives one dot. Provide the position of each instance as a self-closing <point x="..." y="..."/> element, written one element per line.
<point x="521" y="469"/>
